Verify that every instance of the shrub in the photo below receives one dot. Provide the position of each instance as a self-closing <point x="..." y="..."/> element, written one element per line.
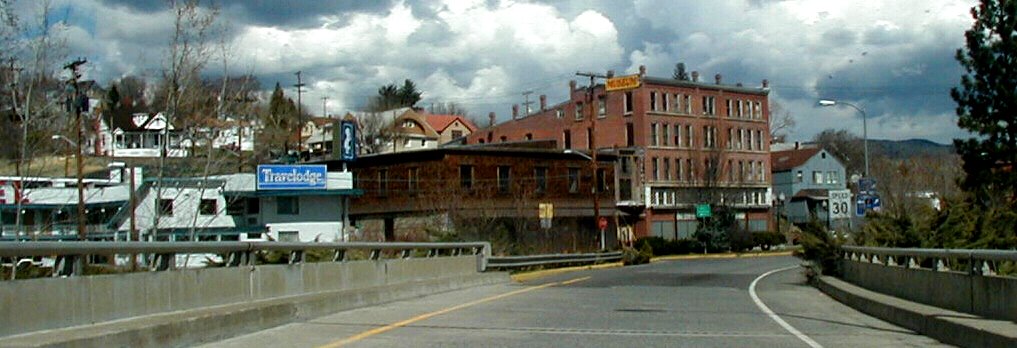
<point x="765" y="240"/>
<point x="631" y="256"/>
<point x="820" y="248"/>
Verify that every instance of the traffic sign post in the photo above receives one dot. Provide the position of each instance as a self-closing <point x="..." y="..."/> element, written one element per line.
<point x="602" y="224"/>
<point x="703" y="211"/>
<point x="839" y="203"/>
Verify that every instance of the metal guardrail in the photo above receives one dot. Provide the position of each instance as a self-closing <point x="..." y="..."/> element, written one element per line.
<point x="550" y="259"/>
<point x="971" y="261"/>
<point x="69" y="255"/>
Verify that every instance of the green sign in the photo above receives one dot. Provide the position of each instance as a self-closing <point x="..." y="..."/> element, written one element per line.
<point x="703" y="211"/>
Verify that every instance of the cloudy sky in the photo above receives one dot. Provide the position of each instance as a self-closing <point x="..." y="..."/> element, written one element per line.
<point x="893" y="58"/>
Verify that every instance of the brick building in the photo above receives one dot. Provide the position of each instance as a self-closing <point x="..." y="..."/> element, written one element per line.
<point x="483" y="193"/>
<point x="678" y="143"/>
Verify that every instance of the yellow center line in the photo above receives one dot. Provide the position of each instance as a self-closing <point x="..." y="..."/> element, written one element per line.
<point x="409" y="321"/>
<point x="567" y="282"/>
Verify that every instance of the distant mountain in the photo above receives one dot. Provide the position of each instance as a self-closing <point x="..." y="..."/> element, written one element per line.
<point x="901" y="149"/>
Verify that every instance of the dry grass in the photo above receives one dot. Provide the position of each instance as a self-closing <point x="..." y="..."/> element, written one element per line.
<point x="54" y="166"/>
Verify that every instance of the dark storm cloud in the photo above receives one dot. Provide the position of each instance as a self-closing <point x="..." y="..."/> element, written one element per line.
<point x="287" y="13"/>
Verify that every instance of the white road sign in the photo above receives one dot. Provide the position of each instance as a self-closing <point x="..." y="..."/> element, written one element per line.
<point x="840" y="204"/>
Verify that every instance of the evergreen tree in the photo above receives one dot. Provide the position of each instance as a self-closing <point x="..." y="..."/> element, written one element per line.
<point x="680" y="73"/>
<point x="408" y="94"/>
<point x="986" y="104"/>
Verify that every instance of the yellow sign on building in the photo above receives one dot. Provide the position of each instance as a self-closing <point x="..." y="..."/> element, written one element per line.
<point x="546" y="210"/>
<point x="623" y="82"/>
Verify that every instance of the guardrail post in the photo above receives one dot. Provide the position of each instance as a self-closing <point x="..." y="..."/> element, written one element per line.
<point x="407" y="253"/>
<point x="66" y="266"/>
<point x="433" y="252"/>
<point x="940" y="266"/>
<point x="239" y="258"/>
<point x="296" y="256"/>
<point x="482" y="255"/>
<point x="375" y="254"/>
<point x="340" y="255"/>
<point x="163" y="262"/>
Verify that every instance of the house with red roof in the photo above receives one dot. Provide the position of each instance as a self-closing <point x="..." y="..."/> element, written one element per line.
<point x="450" y="127"/>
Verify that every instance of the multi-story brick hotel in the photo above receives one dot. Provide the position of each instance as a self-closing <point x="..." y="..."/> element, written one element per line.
<point x="678" y="143"/>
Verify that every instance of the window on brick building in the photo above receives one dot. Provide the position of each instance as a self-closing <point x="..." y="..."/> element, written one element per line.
<point x="691" y="169"/>
<point x="730" y="138"/>
<point x="709" y="107"/>
<point x="665" y="133"/>
<point x="628" y="102"/>
<point x="666" y="102"/>
<point x="728" y="109"/>
<point x="412" y="177"/>
<point x="540" y="178"/>
<point x="630" y="134"/>
<point x="466" y="177"/>
<point x="688" y="104"/>
<point x="653" y="101"/>
<point x="579" y="111"/>
<point x="678" y="169"/>
<point x="573" y="180"/>
<point x="741" y="171"/>
<point x="601" y="180"/>
<point x="559" y="113"/>
<point x="529" y="136"/>
<point x="741" y="109"/>
<point x="677" y="135"/>
<point x="653" y="134"/>
<point x="751" y="143"/>
<point x="730" y="171"/>
<point x="688" y="136"/>
<point x="667" y="169"/>
<point x="757" y="110"/>
<point x="655" y="174"/>
<point x="602" y="106"/>
<point x="504" y="138"/>
<point x="382" y="182"/>
<point x="567" y="138"/>
<point x="504" y="179"/>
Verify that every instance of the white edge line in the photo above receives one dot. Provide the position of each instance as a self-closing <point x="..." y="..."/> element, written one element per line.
<point x="772" y="315"/>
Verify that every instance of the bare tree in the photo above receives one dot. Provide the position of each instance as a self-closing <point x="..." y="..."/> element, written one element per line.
<point x="781" y="123"/>
<point x="190" y="48"/>
<point x="448" y="108"/>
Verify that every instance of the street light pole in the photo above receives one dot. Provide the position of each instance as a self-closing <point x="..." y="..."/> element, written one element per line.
<point x="865" y="128"/>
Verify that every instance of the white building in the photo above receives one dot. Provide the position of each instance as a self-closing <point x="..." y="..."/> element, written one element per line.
<point x="231" y="207"/>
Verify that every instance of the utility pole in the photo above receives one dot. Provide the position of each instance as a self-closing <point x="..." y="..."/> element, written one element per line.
<point x="593" y="151"/>
<point x="300" y="116"/>
<point x="324" y="106"/>
<point x="527" y="102"/>
<point x="76" y="108"/>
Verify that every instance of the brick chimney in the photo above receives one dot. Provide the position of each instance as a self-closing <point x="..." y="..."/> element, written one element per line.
<point x="610" y="73"/>
<point x="515" y="111"/>
<point x="766" y="83"/>
<point x="572" y="85"/>
<point x="642" y="70"/>
<point x="490" y="119"/>
<point x="695" y="76"/>
<point x="543" y="102"/>
<point x="717" y="78"/>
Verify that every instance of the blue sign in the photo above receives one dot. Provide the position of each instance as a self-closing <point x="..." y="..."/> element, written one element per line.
<point x="292" y="177"/>
<point x="865" y="203"/>
<point x="348" y="141"/>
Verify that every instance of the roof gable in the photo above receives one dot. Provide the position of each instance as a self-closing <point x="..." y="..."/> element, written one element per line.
<point x="442" y="122"/>
<point x="789" y="159"/>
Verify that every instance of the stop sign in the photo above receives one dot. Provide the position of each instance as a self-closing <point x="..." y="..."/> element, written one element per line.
<point x="602" y="223"/>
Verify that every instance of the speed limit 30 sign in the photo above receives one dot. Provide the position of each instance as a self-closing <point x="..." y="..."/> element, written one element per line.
<point x="840" y="204"/>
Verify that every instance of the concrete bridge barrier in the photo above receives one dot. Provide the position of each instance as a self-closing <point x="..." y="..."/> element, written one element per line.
<point x="185" y="307"/>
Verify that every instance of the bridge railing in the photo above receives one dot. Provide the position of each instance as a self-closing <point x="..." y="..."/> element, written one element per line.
<point x="969" y="261"/>
<point x="506" y="262"/>
<point x="975" y="281"/>
<point x="161" y="256"/>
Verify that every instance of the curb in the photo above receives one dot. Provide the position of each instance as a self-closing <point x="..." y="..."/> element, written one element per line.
<point x="947" y="326"/>
<point x="193" y="327"/>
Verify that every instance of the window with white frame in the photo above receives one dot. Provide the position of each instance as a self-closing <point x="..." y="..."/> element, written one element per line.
<point x="579" y="111"/>
<point x="709" y="109"/>
<point x="653" y="135"/>
<point x="667" y="102"/>
<point x="665" y="133"/>
<point x="653" y="101"/>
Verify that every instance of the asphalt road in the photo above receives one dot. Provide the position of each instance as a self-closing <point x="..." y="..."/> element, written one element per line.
<point x="686" y="303"/>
